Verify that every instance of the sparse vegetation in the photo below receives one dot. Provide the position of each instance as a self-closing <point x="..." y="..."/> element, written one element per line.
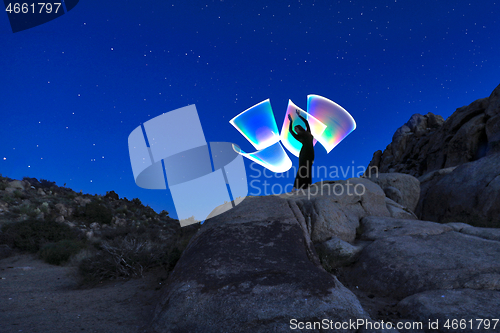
<point x="128" y="239"/>
<point x="32" y="235"/>
<point x="95" y="212"/>
<point x="129" y="252"/>
<point x="7" y="198"/>
<point x="44" y="207"/>
<point x="325" y="260"/>
<point x="60" y="252"/>
<point x="44" y="183"/>
<point x="29" y="210"/>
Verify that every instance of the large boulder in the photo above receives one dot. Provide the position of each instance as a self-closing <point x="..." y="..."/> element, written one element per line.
<point x="493" y="123"/>
<point x="470" y="193"/>
<point x="401" y="266"/>
<point x="464" y="310"/>
<point x="403" y="189"/>
<point x="486" y="233"/>
<point x="398" y="211"/>
<point x="334" y="208"/>
<point x="373" y="228"/>
<point x="428" y="180"/>
<point x="251" y="274"/>
<point x="17" y="184"/>
<point x="335" y="253"/>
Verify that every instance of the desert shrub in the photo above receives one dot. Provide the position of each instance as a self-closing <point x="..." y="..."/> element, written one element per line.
<point x="7" y="198"/>
<point x="130" y="251"/>
<point x="18" y="194"/>
<point x="149" y="212"/>
<point x="112" y="195"/>
<point x="44" y="183"/>
<point x="31" y="235"/>
<point x="98" y="212"/>
<point x="121" y="210"/>
<point x="3" y="186"/>
<point x="44" y="207"/>
<point x="112" y="233"/>
<point x="28" y="210"/>
<point x="325" y="260"/>
<point x="124" y="257"/>
<point x="15" y="209"/>
<point x="6" y="239"/>
<point x="60" y="252"/>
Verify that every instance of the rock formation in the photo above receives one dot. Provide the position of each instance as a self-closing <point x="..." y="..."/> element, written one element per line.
<point x="257" y="266"/>
<point x="428" y="143"/>
<point x="457" y="162"/>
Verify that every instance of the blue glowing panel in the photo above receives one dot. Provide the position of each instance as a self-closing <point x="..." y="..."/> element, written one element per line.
<point x="257" y="125"/>
<point x="273" y="157"/>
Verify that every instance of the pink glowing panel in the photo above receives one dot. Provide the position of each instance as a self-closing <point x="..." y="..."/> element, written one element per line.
<point x="258" y="125"/>
<point x="317" y="128"/>
<point x="339" y="123"/>
<point x="273" y="157"/>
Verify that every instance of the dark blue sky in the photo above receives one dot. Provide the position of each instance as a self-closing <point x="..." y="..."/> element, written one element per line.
<point x="74" y="88"/>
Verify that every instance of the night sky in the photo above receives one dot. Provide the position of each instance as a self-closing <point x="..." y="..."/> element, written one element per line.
<point x="74" y="88"/>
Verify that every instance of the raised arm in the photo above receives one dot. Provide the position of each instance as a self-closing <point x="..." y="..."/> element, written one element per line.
<point x="305" y="121"/>
<point x="290" y="128"/>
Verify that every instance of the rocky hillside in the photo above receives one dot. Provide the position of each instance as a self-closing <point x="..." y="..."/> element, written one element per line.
<point x="457" y="162"/>
<point x="40" y="217"/>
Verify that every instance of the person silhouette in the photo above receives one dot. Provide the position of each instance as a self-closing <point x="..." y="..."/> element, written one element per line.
<point x="306" y="155"/>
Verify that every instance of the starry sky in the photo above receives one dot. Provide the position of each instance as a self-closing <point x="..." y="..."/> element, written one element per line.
<point x="74" y="88"/>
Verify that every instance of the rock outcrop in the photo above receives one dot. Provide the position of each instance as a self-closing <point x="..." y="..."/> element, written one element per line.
<point x="401" y="266"/>
<point x="457" y="162"/>
<point x="460" y="309"/>
<point x="470" y="193"/>
<point x="401" y="188"/>
<point x="257" y="266"/>
<point x="428" y="143"/>
<point x="250" y="270"/>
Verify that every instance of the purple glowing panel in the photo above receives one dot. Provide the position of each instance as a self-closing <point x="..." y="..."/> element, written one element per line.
<point x="339" y="123"/>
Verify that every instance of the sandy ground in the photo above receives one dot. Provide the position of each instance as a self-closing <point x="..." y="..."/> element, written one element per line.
<point x="38" y="297"/>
